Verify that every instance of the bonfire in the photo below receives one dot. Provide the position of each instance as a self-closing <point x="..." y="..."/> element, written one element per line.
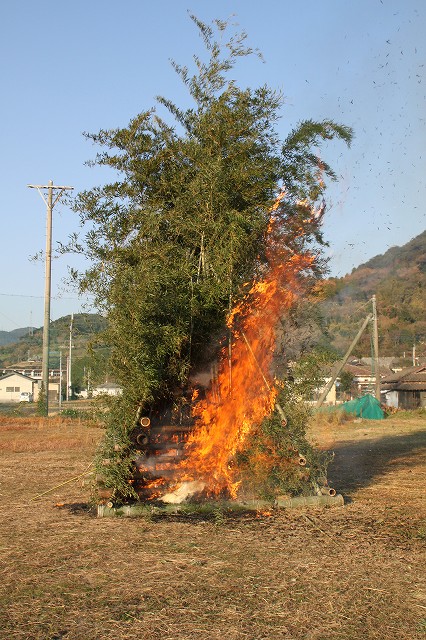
<point x="238" y="429"/>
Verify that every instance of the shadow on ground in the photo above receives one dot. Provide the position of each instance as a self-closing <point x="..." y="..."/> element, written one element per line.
<point x="358" y="463"/>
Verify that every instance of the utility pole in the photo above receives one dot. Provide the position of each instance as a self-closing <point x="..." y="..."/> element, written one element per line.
<point x="376" y="347"/>
<point x="67" y="375"/>
<point x="60" y="381"/>
<point x="338" y="368"/>
<point x="50" y="203"/>
<point x="69" y="383"/>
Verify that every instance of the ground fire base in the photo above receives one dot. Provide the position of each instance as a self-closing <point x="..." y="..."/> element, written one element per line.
<point x="282" y="502"/>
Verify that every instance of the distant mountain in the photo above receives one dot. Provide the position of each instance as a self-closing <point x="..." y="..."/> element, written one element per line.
<point x="10" y="337"/>
<point x="398" y="279"/>
<point x="86" y="330"/>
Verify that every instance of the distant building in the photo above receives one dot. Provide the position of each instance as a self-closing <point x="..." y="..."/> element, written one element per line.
<point x="364" y="378"/>
<point x="405" y="389"/>
<point x="13" y="384"/>
<point x="33" y="369"/>
<point x="108" y="388"/>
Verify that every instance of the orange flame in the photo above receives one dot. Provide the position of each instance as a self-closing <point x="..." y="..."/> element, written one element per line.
<point x="246" y="393"/>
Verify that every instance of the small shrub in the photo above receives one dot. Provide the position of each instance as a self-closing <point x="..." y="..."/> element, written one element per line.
<point x="277" y="458"/>
<point x="116" y="447"/>
<point x="71" y="413"/>
<point x="41" y="402"/>
<point x="333" y="417"/>
<point x="407" y="414"/>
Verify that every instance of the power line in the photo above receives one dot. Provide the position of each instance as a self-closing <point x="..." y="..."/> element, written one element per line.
<point x="18" y="326"/>
<point x="23" y="295"/>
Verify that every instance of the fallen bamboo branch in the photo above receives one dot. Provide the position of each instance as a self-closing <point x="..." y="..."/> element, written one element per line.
<point x="316" y="526"/>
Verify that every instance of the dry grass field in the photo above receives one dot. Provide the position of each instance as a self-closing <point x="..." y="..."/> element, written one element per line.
<point x="352" y="572"/>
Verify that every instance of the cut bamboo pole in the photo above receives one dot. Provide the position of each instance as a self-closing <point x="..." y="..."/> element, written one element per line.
<point x="140" y="509"/>
<point x="328" y="491"/>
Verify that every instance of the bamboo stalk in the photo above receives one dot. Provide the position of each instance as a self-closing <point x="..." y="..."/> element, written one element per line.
<point x="328" y="491"/>
<point x="139" y="509"/>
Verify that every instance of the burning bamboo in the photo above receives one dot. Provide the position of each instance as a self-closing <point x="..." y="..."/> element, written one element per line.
<point x="203" y="458"/>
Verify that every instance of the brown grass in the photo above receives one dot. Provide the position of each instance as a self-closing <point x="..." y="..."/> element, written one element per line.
<point x="35" y="434"/>
<point x="350" y="573"/>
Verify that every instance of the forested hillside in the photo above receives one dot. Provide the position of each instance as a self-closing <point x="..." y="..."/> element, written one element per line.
<point x="87" y="351"/>
<point x="398" y="279"/>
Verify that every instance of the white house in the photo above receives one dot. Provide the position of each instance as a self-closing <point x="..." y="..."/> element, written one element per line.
<point x="331" y="397"/>
<point x="13" y="384"/>
<point x="109" y="389"/>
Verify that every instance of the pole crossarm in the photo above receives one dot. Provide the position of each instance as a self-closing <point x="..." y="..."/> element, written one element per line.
<point x="39" y="188"/>
<point x="47" y="186"/>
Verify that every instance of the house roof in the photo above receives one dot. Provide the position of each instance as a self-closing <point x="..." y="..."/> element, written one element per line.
<point x="415" y="385"/>
<point x="16" y="373"/>
<point x="358" y="369"/>
<point x="411" y="379"/>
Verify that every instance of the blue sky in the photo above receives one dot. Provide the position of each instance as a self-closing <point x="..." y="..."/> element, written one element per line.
<point x="70" y="67"/>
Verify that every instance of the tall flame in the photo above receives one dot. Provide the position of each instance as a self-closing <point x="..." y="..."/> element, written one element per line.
<point x="244" y="392"/>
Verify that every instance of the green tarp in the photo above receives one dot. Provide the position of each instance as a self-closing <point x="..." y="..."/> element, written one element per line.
<point x="366" y="407"/>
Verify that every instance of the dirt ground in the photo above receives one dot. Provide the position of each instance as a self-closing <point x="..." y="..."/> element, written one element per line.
<point x="352" y="572"/>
